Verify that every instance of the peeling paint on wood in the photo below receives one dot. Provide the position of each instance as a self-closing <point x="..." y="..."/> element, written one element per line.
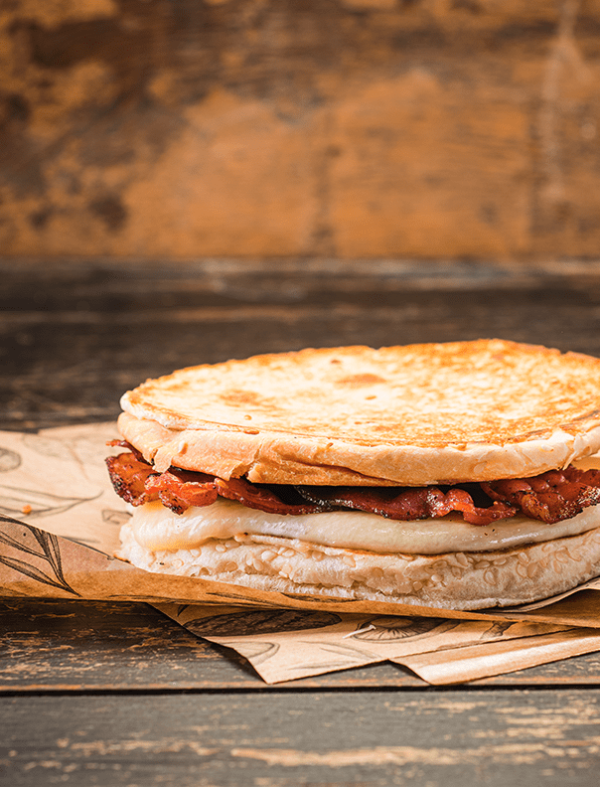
<point x="259" y="127"/>
<point x="371" y="738"/>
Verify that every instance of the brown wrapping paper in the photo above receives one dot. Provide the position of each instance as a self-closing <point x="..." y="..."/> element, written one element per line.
<point x="288" y="644"/>
<point x="59" y="526"/>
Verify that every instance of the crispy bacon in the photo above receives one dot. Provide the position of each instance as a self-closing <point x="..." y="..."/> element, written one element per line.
<point x="410" y="503"/>
<point x="137" y="483"/>
<point x="265" y="499"/>
<point x="549" y="497"/>
<point x="129" y="476"/>
<point x="178" y="490"/>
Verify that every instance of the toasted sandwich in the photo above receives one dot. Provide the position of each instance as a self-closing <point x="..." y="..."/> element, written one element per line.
<point x="458" y="475"/>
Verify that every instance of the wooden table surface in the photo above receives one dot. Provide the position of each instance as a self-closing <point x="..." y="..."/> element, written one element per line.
<point x="117" y="694"/>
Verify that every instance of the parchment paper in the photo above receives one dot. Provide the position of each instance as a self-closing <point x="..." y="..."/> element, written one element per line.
<point x="59" y="526"/>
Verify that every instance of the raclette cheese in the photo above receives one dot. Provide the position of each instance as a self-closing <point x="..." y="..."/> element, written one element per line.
<point x="157" y="528"/>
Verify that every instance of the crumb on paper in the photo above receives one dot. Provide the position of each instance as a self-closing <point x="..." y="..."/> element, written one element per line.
<point x="26" y="509"/>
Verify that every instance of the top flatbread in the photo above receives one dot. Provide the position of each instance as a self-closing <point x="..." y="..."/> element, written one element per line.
<point x="414" y="415"/>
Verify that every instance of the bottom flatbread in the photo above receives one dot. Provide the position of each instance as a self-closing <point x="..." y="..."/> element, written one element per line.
<point x="457" y="580"/>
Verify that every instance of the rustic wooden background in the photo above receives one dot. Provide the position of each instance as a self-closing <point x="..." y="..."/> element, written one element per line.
<point x="319" y="128"/>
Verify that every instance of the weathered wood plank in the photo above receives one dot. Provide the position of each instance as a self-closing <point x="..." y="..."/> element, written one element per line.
<point x="89" y="284"/>
<point x="64" y="646"/>
<point x="60" y="646"/>
<point x="443" y="739"/>
<point x="74" y="339"/>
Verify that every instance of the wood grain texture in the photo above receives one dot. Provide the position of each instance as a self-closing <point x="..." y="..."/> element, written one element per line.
<point x="260" y="127"/>
<point x="49" y="646"/>
<point x="53" y="647"/>
<point x="372" y="738"/>
<point x="74" y="337"/>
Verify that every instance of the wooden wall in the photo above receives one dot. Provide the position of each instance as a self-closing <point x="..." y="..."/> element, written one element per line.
<point x="339" y="128"/>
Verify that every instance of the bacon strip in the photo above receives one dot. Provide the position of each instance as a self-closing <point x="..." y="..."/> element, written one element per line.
<point x="549" y="497"/>
<point x="137" y="483"/>
<point x="409" y="503"/>
<point x="178" y="493"/>
<point x="264" y="499"/>
<point x="129" y="476"/>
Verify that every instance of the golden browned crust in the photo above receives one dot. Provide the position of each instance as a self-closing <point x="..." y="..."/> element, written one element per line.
<point x="412" y="415"/>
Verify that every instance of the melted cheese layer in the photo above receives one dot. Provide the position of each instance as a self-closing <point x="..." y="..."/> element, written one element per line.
<point x="157" y="528"/>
